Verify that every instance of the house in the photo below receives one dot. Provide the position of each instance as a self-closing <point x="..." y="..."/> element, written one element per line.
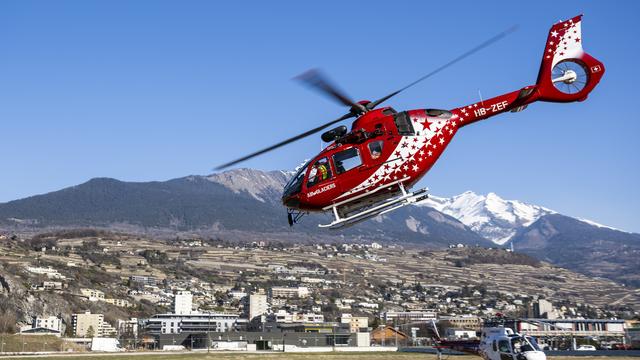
<point x="45" y="325"/>
<point x="118" y="302"/>
<point x="289" y="292"/>
<point x="128" y="327"/>
<point x="143" y="280"/>
<point x="48" y="285"/>
<point x="400" y="317"/>
<point x="92" y="295"/>
<point x="356" y="323"/>
<point x="50" y="272"/>
<point x="387" y="335"/>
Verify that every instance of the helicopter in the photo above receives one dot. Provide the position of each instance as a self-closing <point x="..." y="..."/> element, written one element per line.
<point x="496" y="342"/>
<point x="369" y="170"/>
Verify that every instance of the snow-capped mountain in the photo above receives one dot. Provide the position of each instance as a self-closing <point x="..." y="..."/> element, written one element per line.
<point x="491" y="216"/>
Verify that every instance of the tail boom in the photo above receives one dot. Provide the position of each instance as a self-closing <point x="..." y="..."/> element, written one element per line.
<point x="567" y="74"/>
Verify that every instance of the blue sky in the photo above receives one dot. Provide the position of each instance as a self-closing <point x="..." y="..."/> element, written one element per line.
<point x="153" y="90"/>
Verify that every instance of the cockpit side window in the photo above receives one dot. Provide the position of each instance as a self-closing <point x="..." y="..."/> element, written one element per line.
<point x="347" y="160"/>
<point x="375" y="149"/>
<point x="320" y="172"/>
<point x="516" y="344"/>
<point x="403" y="124"/>
<point x="503" y="346"/>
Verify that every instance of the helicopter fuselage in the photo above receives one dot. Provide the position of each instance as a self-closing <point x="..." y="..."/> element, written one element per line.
<point x="385" y="147"/>
<point x="388" y="152"/>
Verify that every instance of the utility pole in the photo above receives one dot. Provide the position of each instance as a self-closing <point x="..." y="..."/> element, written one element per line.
<point x="396" y="333"/>
<point x="334" y="337"/>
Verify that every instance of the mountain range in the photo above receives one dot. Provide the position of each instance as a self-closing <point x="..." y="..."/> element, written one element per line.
<point x="491" y="216"/>
<point x="245" y="204"/>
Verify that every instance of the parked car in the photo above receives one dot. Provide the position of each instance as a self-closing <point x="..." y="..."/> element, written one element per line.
<point x="586" y="348"/>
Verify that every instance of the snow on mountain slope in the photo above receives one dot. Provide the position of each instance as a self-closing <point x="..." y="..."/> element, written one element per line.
<point x="491" y="216"/>
<point x="590" y="222"/>
<point x="255" y="182"/>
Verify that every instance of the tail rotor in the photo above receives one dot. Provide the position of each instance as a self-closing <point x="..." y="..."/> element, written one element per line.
<point x="567" y="73"/>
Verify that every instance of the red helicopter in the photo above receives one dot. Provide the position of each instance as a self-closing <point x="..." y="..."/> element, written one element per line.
<point x="369" y="170"/>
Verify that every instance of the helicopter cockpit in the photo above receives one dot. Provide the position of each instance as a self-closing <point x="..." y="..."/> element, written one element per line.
<point x="294" y="186"/>
<point x="521" y="344"/>
<point x="517" y="347"/>
<point x="500" y="343"/>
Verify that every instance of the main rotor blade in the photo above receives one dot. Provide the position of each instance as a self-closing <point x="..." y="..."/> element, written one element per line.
<point x="483" y="45"/>
<point x="285" y="142"/>
<point x="316" y="79"/>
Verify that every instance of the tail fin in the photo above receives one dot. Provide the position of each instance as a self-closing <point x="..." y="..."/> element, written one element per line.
<point x="567" y="73"/>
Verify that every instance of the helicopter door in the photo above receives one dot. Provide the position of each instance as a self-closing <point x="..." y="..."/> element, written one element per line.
<point x="347" y="163"/>
<point x="505" y="350"/>
<point x="321" y="179"/>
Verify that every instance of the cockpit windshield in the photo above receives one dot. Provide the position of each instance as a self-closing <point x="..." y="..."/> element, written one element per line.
<point x="294" y="185"/>
<point x="524" y="343"/>
<point x="534" y="344"/>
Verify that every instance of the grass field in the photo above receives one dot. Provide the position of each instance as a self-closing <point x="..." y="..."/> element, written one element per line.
<point x="16" y="343"/>
<point x="290" y="356"/>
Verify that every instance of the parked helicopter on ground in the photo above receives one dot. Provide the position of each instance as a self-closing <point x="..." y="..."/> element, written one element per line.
<point x="496" y="342"/>
<point x="369" y="170"/>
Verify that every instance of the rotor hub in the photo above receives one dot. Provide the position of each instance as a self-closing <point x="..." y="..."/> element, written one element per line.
<point x="570" y="77"/>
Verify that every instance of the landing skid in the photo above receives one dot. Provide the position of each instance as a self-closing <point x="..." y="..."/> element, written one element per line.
<point x="345" y="215"/>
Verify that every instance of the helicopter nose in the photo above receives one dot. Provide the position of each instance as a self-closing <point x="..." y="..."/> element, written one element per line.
<point x="292" y="202"/>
